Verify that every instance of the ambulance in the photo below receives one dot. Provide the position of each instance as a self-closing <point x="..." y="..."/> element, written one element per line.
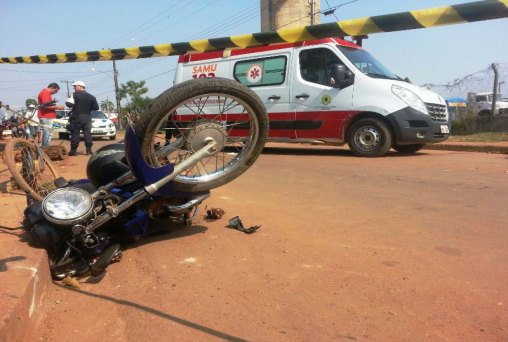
<point x="329" y="91"/>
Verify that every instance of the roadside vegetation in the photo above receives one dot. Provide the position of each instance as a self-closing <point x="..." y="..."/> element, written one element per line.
<point x="479" y="137"/>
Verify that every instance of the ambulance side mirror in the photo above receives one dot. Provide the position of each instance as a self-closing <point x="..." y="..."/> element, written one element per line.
<point x="340" y="77"/>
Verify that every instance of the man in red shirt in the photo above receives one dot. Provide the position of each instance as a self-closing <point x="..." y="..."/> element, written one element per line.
<point x="47" y="114"/>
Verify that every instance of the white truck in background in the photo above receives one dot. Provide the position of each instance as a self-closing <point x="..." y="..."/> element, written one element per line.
<point x="483" y="104"/>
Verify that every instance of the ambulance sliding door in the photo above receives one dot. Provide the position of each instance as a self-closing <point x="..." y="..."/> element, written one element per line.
<point x="268" y="77"/>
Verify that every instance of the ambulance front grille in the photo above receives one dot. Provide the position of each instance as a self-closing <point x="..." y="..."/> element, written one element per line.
<point x="437" y="112"/>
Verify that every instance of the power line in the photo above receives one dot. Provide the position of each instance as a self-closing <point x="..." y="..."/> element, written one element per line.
<point x="210" y="31"/>
<point x="162" y="73"/>
<point x="174" y="23"/>
<point x="145" y="23"/>
<point x="233" y="23"/>
<point x="330" y="11"/>
<point x="235" y="19"/>
<point x="320" y="12"/>
<point x="238" y="18"/>
<point x="44" y="72"/>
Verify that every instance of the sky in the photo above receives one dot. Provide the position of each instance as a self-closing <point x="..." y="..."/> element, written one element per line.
<point x="30" y="27"/>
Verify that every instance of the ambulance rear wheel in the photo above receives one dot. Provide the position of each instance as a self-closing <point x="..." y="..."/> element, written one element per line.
<point x="182" y="119"/>
<point x="369" y="137"/>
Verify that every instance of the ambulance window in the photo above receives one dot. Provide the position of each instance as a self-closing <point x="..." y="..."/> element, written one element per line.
<point x="315" y="65"/>
<point x="366" y="63"/>
<point x="261" y="72"/>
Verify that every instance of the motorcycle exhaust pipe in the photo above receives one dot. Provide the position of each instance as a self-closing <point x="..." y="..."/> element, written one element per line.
<point x="178" y="209"/>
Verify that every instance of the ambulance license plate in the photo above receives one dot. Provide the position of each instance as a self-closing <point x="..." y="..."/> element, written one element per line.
<point x="444" y="129"/>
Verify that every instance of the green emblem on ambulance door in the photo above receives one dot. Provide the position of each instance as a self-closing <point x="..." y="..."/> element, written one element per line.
<point x="326" y="99"/>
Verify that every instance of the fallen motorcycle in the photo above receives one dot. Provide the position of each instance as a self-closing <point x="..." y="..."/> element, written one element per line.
<point x="196" y="136"/>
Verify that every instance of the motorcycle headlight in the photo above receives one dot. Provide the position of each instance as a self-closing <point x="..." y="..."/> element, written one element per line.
<point x="410" y="98"/>
<point x="67" y="206"/>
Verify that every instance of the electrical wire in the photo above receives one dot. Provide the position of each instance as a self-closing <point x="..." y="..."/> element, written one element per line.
<point x="45" y="72"/>
<point x="179" y="21"/>
<point x="211" y="30"/>
<point x="234" y="20"/>
<point x="147" y="22"/>
<point x="320" y="12"/>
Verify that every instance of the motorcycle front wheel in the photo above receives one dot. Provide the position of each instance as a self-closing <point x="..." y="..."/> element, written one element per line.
<point x="184" y="117"/>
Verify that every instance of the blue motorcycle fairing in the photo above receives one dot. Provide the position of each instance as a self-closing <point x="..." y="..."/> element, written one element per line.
<point x="145" y="173"/>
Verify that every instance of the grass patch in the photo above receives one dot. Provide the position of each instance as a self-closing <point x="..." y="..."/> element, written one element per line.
<point x="480" y="137"/>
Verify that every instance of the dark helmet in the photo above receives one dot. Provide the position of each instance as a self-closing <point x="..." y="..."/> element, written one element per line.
<point x="107" y="164"/>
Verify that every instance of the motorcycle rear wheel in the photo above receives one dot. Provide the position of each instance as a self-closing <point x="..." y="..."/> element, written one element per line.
<point x="184" y="116"/>
<point x="31" y="168"/>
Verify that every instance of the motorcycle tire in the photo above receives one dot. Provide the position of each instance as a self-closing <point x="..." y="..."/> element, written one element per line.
<point x="196" y="109"/>
<point x="106" y="258"/>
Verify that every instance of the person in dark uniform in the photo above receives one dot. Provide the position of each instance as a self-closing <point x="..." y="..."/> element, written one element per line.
<point x="81" y="117"/>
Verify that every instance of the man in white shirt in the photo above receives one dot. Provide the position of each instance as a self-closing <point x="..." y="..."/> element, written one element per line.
<point x="34" y="123"/>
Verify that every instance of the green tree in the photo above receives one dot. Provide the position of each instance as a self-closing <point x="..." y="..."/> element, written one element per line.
<point x="107" y="106"/>
<point x="29" y="102"/>
<point x="133" y="92"/>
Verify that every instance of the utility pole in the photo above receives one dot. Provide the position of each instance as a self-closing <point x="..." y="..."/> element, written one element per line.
<point x="68" y="93"/>
<point x="311" y="3"/>
<point x="117" y="95"/>
<point x="277" y="14"/>
<point x="494" y="95"/>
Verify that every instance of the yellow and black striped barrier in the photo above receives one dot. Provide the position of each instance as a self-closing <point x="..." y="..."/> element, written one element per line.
<point x="455" y="14"/>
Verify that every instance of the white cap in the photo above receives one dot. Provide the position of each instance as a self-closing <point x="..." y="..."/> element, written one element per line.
<point x="31" y="106"/>
<point x="79" y="83"/>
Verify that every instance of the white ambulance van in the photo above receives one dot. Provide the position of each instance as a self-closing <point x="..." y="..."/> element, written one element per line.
<point x="329" y="91"/>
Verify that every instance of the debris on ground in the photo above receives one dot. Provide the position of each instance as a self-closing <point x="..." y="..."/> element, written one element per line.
<point x="70" y="281"/>
<point x="215" y="213"/>
<point x="236" y="223"/>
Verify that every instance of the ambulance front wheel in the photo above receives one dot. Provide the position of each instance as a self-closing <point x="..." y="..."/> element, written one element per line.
<point x="369" y="137"/>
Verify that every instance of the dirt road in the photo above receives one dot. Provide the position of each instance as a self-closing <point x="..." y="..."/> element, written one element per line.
<point x="395" y="248"/>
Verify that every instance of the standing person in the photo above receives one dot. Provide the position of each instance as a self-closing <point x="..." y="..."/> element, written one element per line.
<point x="33" y="124"/>
<point x="81" y="117"/>
<point x="3" y="118"/>
<point x="47" y="114"/>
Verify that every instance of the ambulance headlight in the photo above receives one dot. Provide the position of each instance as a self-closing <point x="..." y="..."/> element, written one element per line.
<point x="410" y="98"/>
<point x="67" y="206"/>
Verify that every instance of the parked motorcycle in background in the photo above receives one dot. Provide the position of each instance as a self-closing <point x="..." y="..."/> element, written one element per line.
<point x="197" y="136"/>
<point x="12" y="127"/>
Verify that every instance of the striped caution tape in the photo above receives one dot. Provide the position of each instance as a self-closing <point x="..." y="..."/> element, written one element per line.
<point x="462" y="13"/>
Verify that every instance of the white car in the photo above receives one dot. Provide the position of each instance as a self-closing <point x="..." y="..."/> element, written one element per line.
<point x="101" y="125"/>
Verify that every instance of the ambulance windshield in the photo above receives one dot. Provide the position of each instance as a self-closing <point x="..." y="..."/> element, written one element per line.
<point x="366" y="63"/>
